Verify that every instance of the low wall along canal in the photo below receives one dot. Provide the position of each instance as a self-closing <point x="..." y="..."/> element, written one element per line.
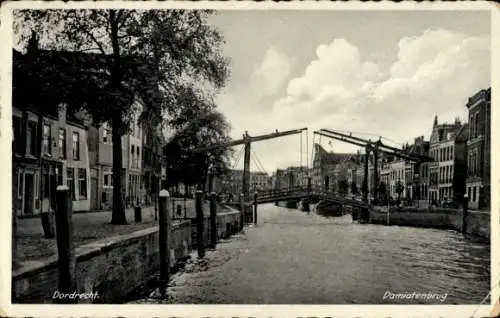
<point x="476" y="223"/>
<point x="113" y="268"/>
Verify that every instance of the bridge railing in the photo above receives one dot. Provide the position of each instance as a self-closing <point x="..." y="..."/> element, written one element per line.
<point x="280" y="192"/>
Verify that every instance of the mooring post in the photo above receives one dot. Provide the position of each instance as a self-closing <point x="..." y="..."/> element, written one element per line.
<point x="199" y="224"/>
<point x="164" y="237"/>
<point x="242" y="210"/>
<point x="66" y="261"/>
<point x="465" y="211"/>
<point x="255" y="208"/>
<point x="213" y="220"/>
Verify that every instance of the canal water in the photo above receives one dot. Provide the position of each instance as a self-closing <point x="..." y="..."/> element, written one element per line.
<point x="294" y="257"/>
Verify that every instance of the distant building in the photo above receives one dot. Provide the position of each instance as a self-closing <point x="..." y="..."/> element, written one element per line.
<point x="233" y="182"/>
<point x="448" y="171"/>
<point x="331" y="169"/>
<point x="478" y="150"/>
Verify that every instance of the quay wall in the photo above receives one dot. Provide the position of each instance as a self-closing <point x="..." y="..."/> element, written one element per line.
<point x="477" y="223"/>
<point x="114" y="267"/>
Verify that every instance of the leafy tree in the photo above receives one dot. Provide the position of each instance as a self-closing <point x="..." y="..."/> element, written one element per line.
<point x="150" y="53"/>
<point x="196" y="129"/>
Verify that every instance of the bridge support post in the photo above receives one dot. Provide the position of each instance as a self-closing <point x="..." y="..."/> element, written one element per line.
<point x="213" y="220"/>
<point x="255" y="208"/>
<point x="200" y="218"/>
<point x="365" y="177"/>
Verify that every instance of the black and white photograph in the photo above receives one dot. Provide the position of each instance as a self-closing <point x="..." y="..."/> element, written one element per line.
<point x="203" y="155"/>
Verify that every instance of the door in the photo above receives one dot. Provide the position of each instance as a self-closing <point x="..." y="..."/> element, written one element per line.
<point x="29" y="193"/>
<point x="93" y="193"/>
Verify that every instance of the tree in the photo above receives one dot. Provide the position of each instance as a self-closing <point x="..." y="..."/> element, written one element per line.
<point x="150" y="53"/>
<point x="190" y="167"/>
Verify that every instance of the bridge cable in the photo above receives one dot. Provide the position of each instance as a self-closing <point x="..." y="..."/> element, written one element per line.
<point x="238" y="158"/>
<point x="307" y="149"/>
<point x="312" y="150"/>
<point x="301" y="142"/>
<point x="253" y="158"/>
<point x="259" y="162"/>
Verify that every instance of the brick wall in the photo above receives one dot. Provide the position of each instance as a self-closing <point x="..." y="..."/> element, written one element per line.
<point x="114" y="267"/>
<point x="477" y="223"/>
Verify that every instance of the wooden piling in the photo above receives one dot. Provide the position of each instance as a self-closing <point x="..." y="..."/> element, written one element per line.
<point x="199" y="224"/>
<point x="213" y="220"/>
<point x="242" y="211"/>
<point x="164" y="223"/>
<point x="66" y="261"/>
<point x="465" y="211"/>
<point x="255" y="208"/>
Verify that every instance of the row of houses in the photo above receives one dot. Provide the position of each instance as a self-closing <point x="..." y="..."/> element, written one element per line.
<point x="54" y="150"/>
<point x="232" y="182"/>
<point x="460" y="167"/>
<point x="53" y="146"/>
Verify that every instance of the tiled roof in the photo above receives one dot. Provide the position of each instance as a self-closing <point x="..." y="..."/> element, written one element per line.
<point x="331" y="157"/>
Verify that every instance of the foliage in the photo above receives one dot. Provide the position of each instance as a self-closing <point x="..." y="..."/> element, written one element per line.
<point x="184" y="164"/>
<point x="152" y="54"/>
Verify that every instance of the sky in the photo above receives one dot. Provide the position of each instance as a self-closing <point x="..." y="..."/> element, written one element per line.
<point x="373" y="73"/>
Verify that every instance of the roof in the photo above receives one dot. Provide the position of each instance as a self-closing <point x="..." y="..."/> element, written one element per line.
<point x="75" y="78"/>
<point x="331" y="157"/>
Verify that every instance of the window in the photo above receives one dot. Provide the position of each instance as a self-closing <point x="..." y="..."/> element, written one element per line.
<point x="108" y="179"/>
<point x="476" y="125"/>
<point x="138" y="156"/>
<point x="16" y="133"/>
<point x="62" y="143"/>
<point x="31" y="138"/>
<point x="76" y="146"/>
<point x="70" y="180"/>
<point x="46" y="184"/>
<point x="46" y="139"/>
<point x="105" y="136"/>
<point x="82" y="183"/>
<point x="20" y="186"/>
<point x="474" y="194"/>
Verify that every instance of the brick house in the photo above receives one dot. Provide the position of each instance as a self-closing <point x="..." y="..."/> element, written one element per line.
<point x="478" y="150"/>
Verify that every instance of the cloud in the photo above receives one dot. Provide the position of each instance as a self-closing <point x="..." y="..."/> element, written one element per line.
<point x="433" y="73"/>
<point x="270" y="74"/>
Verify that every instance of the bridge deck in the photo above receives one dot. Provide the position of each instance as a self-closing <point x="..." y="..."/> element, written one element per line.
<point x="299" y="193"/>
